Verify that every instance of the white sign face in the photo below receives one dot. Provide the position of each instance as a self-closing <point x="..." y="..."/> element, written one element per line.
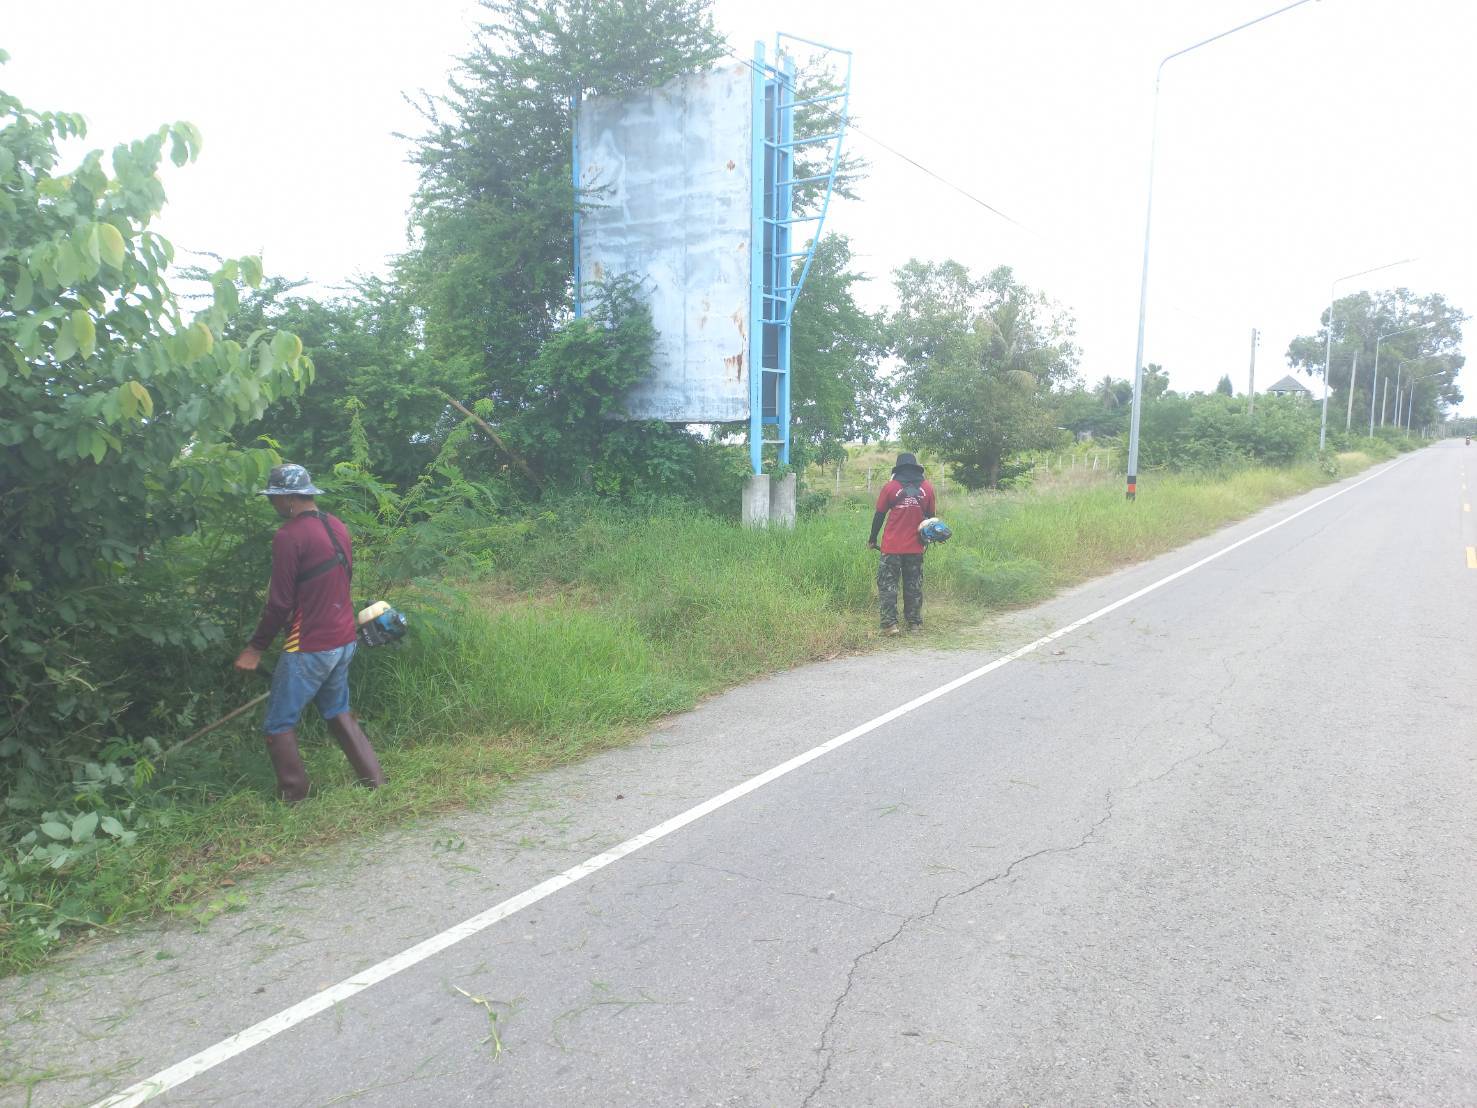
<point x="667" y="188"/>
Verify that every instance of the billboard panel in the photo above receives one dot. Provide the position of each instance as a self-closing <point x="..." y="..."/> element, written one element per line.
<point x="666" y="186"/>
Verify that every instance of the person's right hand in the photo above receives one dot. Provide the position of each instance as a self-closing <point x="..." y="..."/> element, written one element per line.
<point x="247" y="660"/>
<point x="872" y="545"/>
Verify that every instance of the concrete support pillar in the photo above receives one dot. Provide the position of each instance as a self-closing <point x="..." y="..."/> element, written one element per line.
<point x="782" y="502"/>
<point x="756" y="501"/>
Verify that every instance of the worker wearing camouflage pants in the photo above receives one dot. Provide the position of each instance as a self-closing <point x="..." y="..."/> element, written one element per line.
<point x="902" y="506"/>
<point x="908" y="567"/>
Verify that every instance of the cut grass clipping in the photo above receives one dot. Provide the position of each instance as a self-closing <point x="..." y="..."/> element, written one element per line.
<point x="589" y="630"/>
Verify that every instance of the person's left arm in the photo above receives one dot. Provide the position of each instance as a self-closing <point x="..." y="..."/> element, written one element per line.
<point x="281" y="599"/>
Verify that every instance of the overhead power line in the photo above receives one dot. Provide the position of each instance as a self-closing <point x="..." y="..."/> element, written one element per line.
<point x="1066" y="252"/>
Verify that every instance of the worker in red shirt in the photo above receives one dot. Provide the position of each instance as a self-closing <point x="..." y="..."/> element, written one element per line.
<point x="312" y="563"/>
<point x="904" y="503"/>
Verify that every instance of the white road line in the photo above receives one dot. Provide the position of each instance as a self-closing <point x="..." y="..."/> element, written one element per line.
<point x="288" y="1018"/>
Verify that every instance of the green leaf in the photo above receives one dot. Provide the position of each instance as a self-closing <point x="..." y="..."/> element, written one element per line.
<point x="110" y="245"/>
<point x="59" y="831"/>
<point x="99" y="449"/>
<point x="83" y="826"/>
<point x="144" y="397"/>
<point x="84" y="331"/>
<point x="286" y="346"/>
<point x="24" y="289"/>
<point x="184" y="143"/>
<point x="251" y="270"/>
<point x="112" y="827"/>
<point x="68" y="264"/>
<point x="198" y="340"/>
<point x="89" y="252"/>
<point x="66" y="342"/>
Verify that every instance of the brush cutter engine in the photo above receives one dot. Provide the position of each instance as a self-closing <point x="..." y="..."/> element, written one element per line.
<point x="934" y="530"/>
<point x="380" y="624"/>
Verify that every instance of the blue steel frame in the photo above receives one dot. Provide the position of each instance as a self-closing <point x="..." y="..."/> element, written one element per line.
<point x="772" y="262"/>
<point x="574" y="176"/>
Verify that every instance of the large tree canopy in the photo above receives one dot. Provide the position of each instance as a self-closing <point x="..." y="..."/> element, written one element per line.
<point x="116" y="416"/>
<point x="979" y="359"/>
<point x="1423" y="344"/>
<point x="492" y="258"/>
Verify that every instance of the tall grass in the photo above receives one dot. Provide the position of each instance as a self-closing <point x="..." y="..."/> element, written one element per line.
<point x="592" y="624"/>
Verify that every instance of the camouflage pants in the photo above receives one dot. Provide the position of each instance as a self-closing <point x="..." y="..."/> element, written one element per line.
<point x="910" y="568"/>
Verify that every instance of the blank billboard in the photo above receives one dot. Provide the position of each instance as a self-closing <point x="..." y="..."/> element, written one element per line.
<point x="667" y="196"/>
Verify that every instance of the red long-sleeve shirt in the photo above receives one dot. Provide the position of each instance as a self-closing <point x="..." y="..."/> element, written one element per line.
<point x="317" y="613"/>
<point x="904" y="514"/>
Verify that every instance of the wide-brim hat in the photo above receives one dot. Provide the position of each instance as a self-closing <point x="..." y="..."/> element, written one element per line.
<point x="290" y="480"/>
<point x="907" y="466"/>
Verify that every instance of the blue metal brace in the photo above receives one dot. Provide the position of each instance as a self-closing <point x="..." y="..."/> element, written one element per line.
<point x="774" y="287"/>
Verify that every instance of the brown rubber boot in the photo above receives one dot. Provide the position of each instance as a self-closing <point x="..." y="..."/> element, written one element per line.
<point x="355" y="744"/>
<point x="292" y="775"/>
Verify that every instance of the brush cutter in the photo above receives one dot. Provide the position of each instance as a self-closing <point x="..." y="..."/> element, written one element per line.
<point x="266" y="675"/>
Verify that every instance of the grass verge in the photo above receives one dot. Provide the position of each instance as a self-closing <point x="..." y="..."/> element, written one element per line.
<point x="591" y="628"/>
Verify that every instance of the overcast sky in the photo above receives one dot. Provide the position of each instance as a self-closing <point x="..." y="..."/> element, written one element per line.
<point x="1334" y="138"/>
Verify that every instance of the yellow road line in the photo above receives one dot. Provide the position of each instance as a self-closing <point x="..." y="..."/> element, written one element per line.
<point x="1472" y="557"/>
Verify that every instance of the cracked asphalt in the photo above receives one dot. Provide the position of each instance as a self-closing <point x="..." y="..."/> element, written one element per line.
<point x="1216" y="847"/>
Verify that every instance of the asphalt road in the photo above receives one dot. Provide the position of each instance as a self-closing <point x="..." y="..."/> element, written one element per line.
<point x="1218" y="845"/>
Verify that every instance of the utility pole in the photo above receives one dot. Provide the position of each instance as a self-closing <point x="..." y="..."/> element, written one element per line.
<point x="1323" y="420"/>
<point x="1374" y="388"/>
<point x="1251" y="376"/>
<point x="1384" y="401"/>
<point x="1353" y="372"/>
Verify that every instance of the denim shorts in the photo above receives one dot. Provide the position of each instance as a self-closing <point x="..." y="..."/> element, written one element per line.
<point x="322" y="677"/>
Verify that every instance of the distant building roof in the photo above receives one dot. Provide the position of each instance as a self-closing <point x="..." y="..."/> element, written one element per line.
<point x="1288" y="386"/>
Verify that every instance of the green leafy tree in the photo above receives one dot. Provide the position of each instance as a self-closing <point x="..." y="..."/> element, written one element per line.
<point x="492" y="262"/>
<point x="364" y="347"/>
<point x="979" y="361"/>
<point x="1113" y="393"/>
<point x="818" y="113"/>
<point x="1223" y="387"/>
<point x="837" y="392"/>
<point x="1213" y="432"/>
<point x="116" y="415"/>
<point x="1425" y="338"/>
<point x="1101" y="411"/>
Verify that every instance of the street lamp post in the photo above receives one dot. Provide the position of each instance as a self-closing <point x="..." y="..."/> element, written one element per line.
<point x="1138" y="361"/>
<point x="1410" y="398"/>
<point x="1374" y="392"/>
<point x="1328" y="349"/>
<point x="1379" y="339"/>
<point x="1256" y="337"/>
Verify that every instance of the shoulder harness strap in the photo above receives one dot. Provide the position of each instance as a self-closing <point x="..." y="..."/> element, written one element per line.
<point x="339" y="557"/>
